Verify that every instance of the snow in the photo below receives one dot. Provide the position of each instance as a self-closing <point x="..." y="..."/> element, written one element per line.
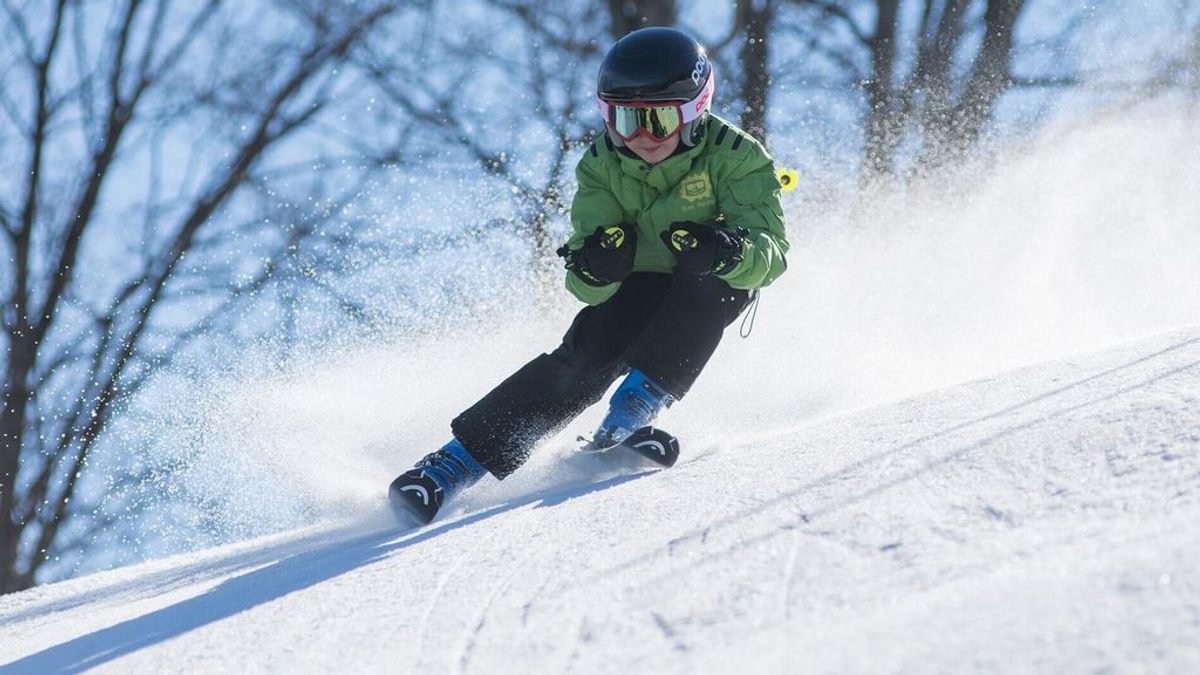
<point x="852" y="497"/>
<point x="1044" y="519"/>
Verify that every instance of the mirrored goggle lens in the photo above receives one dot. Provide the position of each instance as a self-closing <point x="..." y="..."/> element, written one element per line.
<point x="660" y="121"/>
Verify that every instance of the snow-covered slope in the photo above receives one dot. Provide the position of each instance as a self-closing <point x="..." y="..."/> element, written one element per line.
<point x="1046" y="519"/>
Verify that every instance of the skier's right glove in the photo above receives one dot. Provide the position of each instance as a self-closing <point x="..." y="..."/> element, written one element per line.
<point x="702" y="249"/>
<point x="606" y="256"/>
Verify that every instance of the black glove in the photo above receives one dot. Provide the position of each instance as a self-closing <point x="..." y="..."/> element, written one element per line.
<point x="606" y="256"/>
<point x="702" y="249"/>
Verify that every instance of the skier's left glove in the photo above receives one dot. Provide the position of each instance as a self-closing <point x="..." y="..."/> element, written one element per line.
<point x="702" y="249"/>
<point x="606" y="256"/>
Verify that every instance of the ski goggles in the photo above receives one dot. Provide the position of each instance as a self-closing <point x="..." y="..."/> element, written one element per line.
<point x="659" y="120"/>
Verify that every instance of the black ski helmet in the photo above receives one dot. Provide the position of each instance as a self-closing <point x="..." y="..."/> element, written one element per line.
<point x="657" y="64"/>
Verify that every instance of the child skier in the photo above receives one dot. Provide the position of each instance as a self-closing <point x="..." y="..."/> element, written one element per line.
<point x="676" y="221"/>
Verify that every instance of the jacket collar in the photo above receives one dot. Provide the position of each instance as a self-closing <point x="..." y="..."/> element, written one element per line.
<point x="663" y="175"/>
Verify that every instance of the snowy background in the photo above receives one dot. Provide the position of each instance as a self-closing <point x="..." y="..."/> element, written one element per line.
<point x="964" y="435"/>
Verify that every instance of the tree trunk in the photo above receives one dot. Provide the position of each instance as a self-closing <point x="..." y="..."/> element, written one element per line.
<point x="884" y="124"/>
<point x="754" y="16"/>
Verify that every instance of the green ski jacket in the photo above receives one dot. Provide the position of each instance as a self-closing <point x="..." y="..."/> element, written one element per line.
<point x="728" y="180"/>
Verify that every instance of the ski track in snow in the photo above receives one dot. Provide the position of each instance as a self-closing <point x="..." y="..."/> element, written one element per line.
<point x="1042" y="520"/>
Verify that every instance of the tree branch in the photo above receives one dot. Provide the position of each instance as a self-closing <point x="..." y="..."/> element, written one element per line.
<point x="87" y="104"/>
<point x="119" y="115"/>
<point x="450" y="128"/>
<point x="22" y="28"/>
<point x="22" y="347"/>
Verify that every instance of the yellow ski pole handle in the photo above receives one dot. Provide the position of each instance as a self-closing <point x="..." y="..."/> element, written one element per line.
<point x="788" y="179"/>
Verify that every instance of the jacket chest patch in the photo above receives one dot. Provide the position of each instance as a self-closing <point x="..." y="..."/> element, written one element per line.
<point x="696" y="188"/>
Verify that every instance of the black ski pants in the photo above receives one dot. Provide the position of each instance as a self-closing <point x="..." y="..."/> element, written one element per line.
<point x="666" y="325"/>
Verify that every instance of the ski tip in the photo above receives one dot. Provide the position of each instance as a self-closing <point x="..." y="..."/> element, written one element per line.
<point x="408" y="513"/>
<point x="657" y="445"/>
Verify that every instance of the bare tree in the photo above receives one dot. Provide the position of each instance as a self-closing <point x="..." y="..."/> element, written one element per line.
<point x="931" y="71"/>
<point x="545" y="67"/>
<point x="141" y="138"/>
<point x="946" y="96"/>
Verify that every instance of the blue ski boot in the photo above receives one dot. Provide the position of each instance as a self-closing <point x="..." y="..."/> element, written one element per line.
<point x="417" y="494"/>
<point x="635" y="404"/>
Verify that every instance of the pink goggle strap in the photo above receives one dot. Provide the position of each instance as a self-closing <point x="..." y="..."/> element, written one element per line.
<point x="694" y="108"/>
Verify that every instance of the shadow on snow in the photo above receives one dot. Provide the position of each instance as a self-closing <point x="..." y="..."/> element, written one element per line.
<point x="265" y="584"/>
